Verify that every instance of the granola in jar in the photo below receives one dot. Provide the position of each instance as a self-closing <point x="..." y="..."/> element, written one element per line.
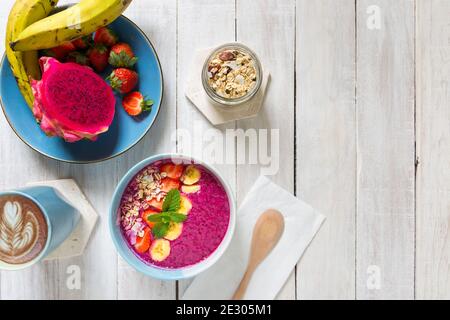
<point x="232" y="73"/>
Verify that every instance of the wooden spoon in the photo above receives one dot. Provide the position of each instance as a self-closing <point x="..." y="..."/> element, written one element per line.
<point x="266" y="234"/>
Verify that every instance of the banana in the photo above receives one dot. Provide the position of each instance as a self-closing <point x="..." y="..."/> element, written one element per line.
<point x="190" y="189"/>
<point x="185" y="206"/>
<point x="191" y="175"/>
<point x="25" y="64"/>
<point x="79" y="20"/>
<point x="160" y="250"/>
<point x="174" y="232"/>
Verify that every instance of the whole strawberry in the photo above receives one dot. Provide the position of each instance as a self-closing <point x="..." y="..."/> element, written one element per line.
<point x="122" y="56"/>
<point x="135" y="103"/>
<point x="98" y="56"/>
<point x="123" y="80"/>
<point x="83" y="42"/>
<point x="79" y="58"/>
<point x="60" y="52"/>
<point x="105" y="36"/>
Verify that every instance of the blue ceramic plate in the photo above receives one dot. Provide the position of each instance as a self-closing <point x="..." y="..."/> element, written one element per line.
<point x="125" y="131"/>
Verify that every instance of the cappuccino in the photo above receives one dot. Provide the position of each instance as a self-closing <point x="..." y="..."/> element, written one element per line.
<point x="23" y="229"/>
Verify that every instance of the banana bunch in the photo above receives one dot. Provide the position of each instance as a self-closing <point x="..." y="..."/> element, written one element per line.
<point x="25" y="64"/>
<point x="79" y="20"/>
<point x="31" y="28"/>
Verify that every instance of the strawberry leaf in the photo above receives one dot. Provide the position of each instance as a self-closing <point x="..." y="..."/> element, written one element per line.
<point x="147" y="105"/>
<point x="122" y="60"/>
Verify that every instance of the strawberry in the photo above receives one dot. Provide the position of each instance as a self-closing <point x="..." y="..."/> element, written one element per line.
<point x="135" y="103"/>
<point x="79" y="58"/>
<point x="60" y="52"/>
<point x="168" y="184"/>
<point x="173" y="171"/>
<point x="83" y="42"/>
<point x="98" y="55"/>
<point x="123" y="80"/>
<point x="146" y="214"/>
<point x="143" y="243"/>
<point x="156" y="204"/>
<point x="122" y="56"/>
<point x="105" y="36"/>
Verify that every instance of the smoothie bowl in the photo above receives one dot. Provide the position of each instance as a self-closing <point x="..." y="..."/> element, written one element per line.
<point x="172" y="217"/>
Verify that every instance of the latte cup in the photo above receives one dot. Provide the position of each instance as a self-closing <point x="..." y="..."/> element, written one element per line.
<point x="34" y="221"/>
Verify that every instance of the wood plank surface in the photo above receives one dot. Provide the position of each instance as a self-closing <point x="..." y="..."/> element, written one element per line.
<point x="274" y="43"/>
<point x="433" y="150"/>
<point x="385" y="146"/>
<point x="326" y="144"/>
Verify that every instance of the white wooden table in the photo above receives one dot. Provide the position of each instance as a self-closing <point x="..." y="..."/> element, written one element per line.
<point x="363" y="109"/>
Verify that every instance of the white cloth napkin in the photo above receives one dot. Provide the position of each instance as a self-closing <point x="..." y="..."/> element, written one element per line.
<point x="301" y="224"/>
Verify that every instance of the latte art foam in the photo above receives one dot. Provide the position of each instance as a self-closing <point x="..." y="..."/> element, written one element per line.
<point x="23" y="230"/>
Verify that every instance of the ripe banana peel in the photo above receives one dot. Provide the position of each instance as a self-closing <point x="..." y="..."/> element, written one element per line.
<point x="79" y="20"/>
<point x="25" y="64"/>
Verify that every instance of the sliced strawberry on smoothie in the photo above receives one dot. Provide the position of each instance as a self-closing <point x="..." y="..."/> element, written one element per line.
<point x="173" y="171"/>
<point x="168" y="184"/>
<point x="143" y="243"/>
<point x="146" y="214"/>
<point x="156" y="204"/>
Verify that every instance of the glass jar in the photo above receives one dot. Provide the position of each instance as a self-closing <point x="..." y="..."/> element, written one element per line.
<point x="240" y="86"/>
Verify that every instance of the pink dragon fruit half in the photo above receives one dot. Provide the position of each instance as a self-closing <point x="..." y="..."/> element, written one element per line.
<point x="72" y="101"/>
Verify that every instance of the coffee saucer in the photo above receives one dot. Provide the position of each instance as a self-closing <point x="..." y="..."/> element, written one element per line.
<point x="76" y="243"/>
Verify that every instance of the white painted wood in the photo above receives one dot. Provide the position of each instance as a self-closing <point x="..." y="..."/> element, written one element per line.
<point x="201" y="24"/>
<point x="326" y="148"/>
<point x="268" y="27"/>
<point x="433" y="150"/>
<point x="386" y="162"/>
<point x="98" y="265"/>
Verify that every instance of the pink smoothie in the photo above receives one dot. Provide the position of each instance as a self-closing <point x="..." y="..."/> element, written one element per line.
<point x="202" y="232"/>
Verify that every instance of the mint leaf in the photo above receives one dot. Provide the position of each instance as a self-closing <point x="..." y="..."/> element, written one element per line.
<point x="160" y="230"/>
<point x="155" y="218"/>
<point x="172" y="202"/>
<point x="169" y="214"/>
<point x="166" y="218"/>
<point x="177" y="217"/>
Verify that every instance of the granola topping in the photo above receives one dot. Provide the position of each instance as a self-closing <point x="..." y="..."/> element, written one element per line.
<point x="146" y="186"/>
<point x="232" y="74"/>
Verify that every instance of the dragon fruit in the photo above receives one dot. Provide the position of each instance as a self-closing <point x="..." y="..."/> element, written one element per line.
<point x="72" y="101"/>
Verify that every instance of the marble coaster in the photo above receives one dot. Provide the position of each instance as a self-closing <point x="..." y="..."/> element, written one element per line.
<point x="76" y="243"/>
<point x="213" y="111"/>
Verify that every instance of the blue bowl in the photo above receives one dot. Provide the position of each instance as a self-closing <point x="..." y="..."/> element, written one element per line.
<point x="125" y="131"/>
<point x="164" y="273"/>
